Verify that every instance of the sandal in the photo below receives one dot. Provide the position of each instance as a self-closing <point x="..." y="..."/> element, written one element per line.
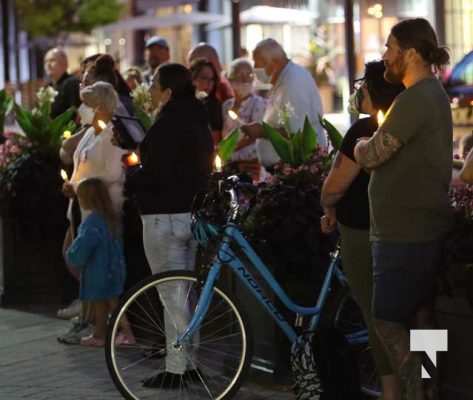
<point x="92" y="341"/>
<point x="124" y="340"/>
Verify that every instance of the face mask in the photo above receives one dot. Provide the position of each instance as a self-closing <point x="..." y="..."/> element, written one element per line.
<point x="354" y="103"/>
<point x="262" y="76"/>
<point x="86" y="114"/>
<point x="243" y="89"/>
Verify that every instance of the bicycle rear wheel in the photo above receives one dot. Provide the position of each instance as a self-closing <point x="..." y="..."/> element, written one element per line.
<point x="343" y="313"/>
<point x="216" y="358"/>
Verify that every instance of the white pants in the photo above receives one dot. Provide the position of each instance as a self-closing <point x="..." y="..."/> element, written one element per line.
<point x="169" y="245"/>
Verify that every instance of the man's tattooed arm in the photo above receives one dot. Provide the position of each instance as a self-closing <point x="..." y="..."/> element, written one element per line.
<point x="371" y="153"/>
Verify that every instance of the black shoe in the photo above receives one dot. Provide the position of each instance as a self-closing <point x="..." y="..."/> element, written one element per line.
<point x="165" y="380"/>
<point x="194" y="376"/>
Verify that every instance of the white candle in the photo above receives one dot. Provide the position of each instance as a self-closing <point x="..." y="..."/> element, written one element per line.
<point x="64" y="175"/>
<point x="218" y="163"/>
<point x="380" y="117"/>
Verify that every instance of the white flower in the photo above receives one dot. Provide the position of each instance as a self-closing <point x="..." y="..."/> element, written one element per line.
<point x="46" y="95"/>
<point x="142" y="97"/>
<point x="285" y="114"/>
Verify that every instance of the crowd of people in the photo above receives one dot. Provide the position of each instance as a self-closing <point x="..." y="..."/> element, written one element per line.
<point x="387" y="191"/>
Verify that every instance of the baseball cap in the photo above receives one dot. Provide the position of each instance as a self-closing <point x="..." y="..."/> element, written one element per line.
<point x="157" y="40"/>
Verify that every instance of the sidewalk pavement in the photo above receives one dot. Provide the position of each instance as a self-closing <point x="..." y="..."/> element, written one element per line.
<point x="33" y="365"/>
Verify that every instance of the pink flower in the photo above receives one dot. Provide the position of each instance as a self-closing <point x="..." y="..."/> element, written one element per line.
<point x="15" y="149"/>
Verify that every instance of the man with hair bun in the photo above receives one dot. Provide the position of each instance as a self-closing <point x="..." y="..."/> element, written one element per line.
<point x="410" y="156"/>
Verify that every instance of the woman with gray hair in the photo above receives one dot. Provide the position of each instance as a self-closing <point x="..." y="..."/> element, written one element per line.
<point x="246" y="107"/>
<point x="95" y="155"/>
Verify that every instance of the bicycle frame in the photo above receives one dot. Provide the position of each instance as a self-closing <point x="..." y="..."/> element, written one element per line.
<point x="226" y="255"/>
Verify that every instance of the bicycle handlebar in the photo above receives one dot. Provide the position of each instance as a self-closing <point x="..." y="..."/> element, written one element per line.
<point x="231" y="185"/>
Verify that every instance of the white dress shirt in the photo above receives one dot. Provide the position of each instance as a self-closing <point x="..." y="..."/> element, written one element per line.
<point x="295" y="86"/>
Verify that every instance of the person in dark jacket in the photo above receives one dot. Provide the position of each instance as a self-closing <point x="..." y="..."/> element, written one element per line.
<point x="67" y="86"/>
<point x="176" y="161"/>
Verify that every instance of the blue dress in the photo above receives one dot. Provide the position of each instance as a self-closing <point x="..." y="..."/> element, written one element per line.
<point x="100" y="259"/>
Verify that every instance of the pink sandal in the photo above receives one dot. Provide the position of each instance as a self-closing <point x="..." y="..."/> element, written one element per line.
<point x="124" y="340"/>
<point x="92" y="341"/>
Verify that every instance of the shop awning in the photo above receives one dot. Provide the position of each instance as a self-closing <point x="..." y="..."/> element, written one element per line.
<point x="266" y="15"/>
<point x="154" y="22"/>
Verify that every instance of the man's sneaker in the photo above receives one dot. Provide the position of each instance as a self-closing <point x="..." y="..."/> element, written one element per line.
<point x="76" y="333"/>
<point x="73" y="310"/>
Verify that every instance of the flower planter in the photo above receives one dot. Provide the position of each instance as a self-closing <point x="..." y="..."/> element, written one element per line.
<point x="33" y="226"/>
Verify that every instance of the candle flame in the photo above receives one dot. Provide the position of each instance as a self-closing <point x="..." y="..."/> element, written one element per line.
<point x="64" y="175"/>
<point x="133" y="159"/>
<point x="218" y="163"/>
<point x="101" y="124"/>
<point x="233" y="115"/>
<point x="67" y="134"/>
<point x="380" y="117"/>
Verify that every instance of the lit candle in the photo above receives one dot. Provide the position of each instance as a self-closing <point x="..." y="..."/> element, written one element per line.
<point x="218" y="163"/>
<point x="101" y="124"/>
<point x="234" y="116"/>
<point x="67" y="134"/>
<point x="380" y="117"/>
<point x="132" y="159"/>
<point x="64" y="175"/>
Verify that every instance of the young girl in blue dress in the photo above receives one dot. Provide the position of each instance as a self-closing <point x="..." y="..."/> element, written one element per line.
<point x="97" y="252"/>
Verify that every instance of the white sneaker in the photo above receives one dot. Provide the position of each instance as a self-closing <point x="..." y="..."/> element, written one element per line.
<point x="73" y="310"/>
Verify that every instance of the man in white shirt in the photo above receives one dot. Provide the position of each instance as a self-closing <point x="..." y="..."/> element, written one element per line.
<point x="292" y="88"/>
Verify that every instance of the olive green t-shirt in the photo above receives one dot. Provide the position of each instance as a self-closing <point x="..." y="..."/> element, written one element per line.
<point x="409" y="193"/>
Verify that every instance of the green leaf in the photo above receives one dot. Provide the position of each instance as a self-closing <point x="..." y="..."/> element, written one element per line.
<point x="227" y="146"/>
<point x="297" y="149"/>
<point x="309" y="140"/>
<point x="280" y="143"/>
<point x="58" y="125"/>
<point x="25" y="120"/>
<point x="334" y="135"/>
<point x="144" y="118"/>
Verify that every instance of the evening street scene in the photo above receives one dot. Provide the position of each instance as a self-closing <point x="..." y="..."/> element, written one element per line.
<point x="236" y="199"/>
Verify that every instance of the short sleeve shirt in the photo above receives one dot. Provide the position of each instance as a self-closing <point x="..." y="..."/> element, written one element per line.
<point x="295" y="87"/>
<point x="409" y="193"/>
<point x="353" y="207"/>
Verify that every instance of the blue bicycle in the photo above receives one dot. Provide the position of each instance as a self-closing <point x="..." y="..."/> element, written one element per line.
<point x="187" y="322"/>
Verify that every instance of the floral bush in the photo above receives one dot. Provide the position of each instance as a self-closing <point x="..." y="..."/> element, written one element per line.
<point x="142" y="105"/>
<point x="29" y="161"/>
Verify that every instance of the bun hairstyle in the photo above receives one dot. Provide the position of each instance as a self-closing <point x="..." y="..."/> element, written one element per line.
<point x="176" y="77"/>
<point x="104" y="69"/>
<point x="418" y="34"/>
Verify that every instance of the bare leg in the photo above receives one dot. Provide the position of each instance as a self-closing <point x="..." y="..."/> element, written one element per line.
<point x="124" y="324"/>
<point x="424" y="319"/>
<point x="407" y="365"/>
<point x="390" y="385"/>
<point x="101" y="313"/>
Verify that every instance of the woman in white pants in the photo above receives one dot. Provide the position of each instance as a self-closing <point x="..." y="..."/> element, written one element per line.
<point x="176" y="159"/>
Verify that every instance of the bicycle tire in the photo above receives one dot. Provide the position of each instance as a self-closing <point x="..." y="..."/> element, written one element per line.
<point x="124" y="308"/>
<point x="341" y="305"/>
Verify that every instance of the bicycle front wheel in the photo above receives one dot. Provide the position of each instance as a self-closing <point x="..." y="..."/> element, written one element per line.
<point x="210" y="365"/>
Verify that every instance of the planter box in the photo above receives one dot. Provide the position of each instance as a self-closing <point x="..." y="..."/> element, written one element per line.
<point x="32" y="263"/>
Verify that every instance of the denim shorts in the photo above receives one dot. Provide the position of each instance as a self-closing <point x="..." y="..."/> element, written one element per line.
<point x="404" y="278"/>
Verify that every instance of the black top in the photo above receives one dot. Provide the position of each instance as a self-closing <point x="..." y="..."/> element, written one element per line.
<point x="214" y="110"/>
<point x="68" y="94"/>
<point x="353" y="207"/>
<point x="176" y="159"/>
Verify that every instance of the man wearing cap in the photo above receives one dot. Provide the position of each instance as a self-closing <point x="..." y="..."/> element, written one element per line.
<point x="156" y="53"/>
